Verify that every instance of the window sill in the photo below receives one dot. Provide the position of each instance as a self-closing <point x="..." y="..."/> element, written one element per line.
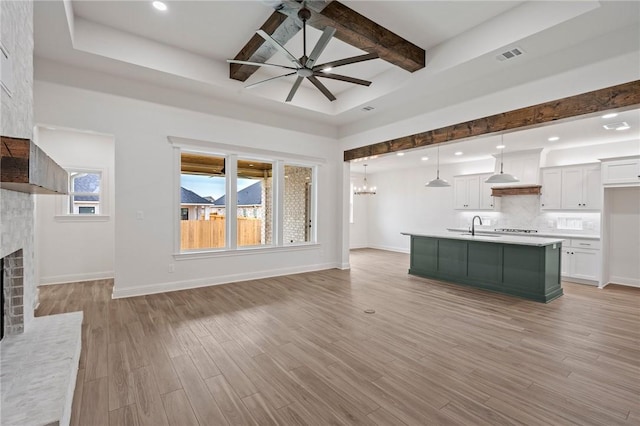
<point x="82" y="218"/>
<point x="243" y="251"/>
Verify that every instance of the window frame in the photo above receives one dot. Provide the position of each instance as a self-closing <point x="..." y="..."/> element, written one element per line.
<point x="64" y="201"/>
<point x="232" y="153"/>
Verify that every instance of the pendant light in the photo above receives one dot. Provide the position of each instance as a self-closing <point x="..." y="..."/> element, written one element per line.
<point x="502" y="177"/>
<point x="365" y="190"/>
<point x="437" y="182"/>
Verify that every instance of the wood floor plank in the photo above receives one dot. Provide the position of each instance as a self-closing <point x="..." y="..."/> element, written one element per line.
<point x="260" y="411"/>
<point x="299" y="349"/>
<point x="178" y="409"/>
<point x="77" y="399"/>
<point x="234" y="374"/>
<point x="121" y="391"/>
<point x="95" y="403"/>
<point x="125" y="416"/>
<point x="150" y="409"/>
<point x="203" y="403"/>
<point x="228" y="401"/>
<point x="382" y="417"/>
<point x="203" y="362"/>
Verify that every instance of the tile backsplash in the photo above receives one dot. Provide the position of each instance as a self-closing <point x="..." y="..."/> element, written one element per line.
<point x="523" y="212"/>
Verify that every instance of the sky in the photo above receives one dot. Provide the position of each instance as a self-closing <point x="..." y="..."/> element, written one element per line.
<point x="206" y="186"/>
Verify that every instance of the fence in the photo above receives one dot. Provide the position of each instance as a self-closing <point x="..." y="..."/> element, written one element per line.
<point x="195" y="234"/>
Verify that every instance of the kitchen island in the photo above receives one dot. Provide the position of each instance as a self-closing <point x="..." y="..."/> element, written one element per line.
<point x="527" y="267"/>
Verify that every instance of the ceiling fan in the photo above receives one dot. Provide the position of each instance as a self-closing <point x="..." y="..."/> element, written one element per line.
<point x="305" y="66"/>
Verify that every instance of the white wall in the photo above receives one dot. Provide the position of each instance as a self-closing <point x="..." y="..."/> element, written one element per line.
<point x="622" y="210"/>
<point x="144" y="159"/>
<point x="592" y="153"/>
<point x="73" y="249"/>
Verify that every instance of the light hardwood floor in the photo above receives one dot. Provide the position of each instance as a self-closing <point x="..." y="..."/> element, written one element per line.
<point x="300" y="350"/>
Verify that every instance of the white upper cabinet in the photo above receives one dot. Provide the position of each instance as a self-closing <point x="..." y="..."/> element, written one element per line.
<point x="551" y="197"/>
<point x="466" y="192"/>
<point x="472" y="193"/>
<point x="581" y="188"/>
<point x="571" y="188"/>
<point x="624" y="171"/>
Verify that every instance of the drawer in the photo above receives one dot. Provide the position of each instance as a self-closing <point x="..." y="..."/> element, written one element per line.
<point x="585" y="244"/>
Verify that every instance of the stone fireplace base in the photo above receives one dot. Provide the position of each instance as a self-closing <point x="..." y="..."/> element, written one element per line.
<point x="38" y="371"/>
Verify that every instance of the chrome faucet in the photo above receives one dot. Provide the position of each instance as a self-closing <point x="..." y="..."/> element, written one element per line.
<point x="473" y="225"/>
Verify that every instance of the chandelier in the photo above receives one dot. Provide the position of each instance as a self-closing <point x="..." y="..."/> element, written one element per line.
<point x="364" y="189"/>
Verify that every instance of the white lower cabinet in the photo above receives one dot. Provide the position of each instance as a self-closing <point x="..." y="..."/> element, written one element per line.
<point x="581" y="260"/>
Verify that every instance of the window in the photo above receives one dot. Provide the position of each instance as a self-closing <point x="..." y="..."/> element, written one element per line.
<point x="297" y="204"/>
<point x="202" y="201"/>
<point x="255" y="203"/>
<point x="84" y="192"/>
<point x="242" y="202"/>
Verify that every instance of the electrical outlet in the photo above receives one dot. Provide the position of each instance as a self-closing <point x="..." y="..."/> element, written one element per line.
<point x="172" y="268"/>
<point x="139" y="215"/>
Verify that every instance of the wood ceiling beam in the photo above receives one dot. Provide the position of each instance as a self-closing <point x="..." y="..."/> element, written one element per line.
<point x="620" y="97"/>
<point x="278" y="26"/>
<point x="351" y="27"/>
<point x="361" y="32"/>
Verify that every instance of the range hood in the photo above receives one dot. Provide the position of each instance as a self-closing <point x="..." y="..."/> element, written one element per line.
<point x="24" y="167"/>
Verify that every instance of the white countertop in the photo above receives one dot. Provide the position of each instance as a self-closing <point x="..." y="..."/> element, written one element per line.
<point x="536" y="234"/>
<point x="501" y="239"/>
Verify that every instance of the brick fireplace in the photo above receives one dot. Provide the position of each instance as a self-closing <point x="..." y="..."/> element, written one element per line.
<point x="12" y="272"/>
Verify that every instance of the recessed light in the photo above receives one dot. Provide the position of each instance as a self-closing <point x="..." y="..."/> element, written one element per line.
<point x="424" y="158"/>
<point x="627" y="127"/>
<point x="553" y="138"/>
<point x="501" y="146"/>
<point x="159" y="5"/>
<point x="610" y="115"/>
<point x="327" y="69"/>
<point x="458" y="153"/>
<point x="400" y="154"/>
<point x="250" y="165"/>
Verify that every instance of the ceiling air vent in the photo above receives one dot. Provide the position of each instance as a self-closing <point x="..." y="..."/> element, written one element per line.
<point x="621" y="125"/>
<point x="368" y="108"/>
<point x="510" y="54"/>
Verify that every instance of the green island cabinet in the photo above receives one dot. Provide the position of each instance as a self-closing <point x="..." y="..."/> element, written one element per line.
<point x="528" y="271"/>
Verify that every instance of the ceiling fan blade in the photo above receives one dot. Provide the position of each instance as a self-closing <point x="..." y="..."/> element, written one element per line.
<point x="269" y="79"/>
<point x="258" y="64"/>
<point x="342" y="78"/>
<point x="347" y="61"/>
<point x="320" y="46"/>
<point x="280" y="48"/>
<point x="294" y="89"/>
<point x="322" y="88"/>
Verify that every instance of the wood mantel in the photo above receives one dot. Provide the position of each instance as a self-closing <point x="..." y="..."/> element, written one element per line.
<point x="24" y="167"/>
<point x="516" y="190"/>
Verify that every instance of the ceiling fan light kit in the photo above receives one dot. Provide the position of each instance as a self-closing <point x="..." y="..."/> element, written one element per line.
<point x="304" y="67"/>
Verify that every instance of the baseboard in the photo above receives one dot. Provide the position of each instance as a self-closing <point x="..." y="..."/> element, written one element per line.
<point x="74" y="278"/>
<point x="579" y="281"/>
<point x="629" y="282"/>
<point x="358" y="246"/>
<point x="389" y="248"/>
<point x="216" y="280"/>
<point x="344" y="266"/>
